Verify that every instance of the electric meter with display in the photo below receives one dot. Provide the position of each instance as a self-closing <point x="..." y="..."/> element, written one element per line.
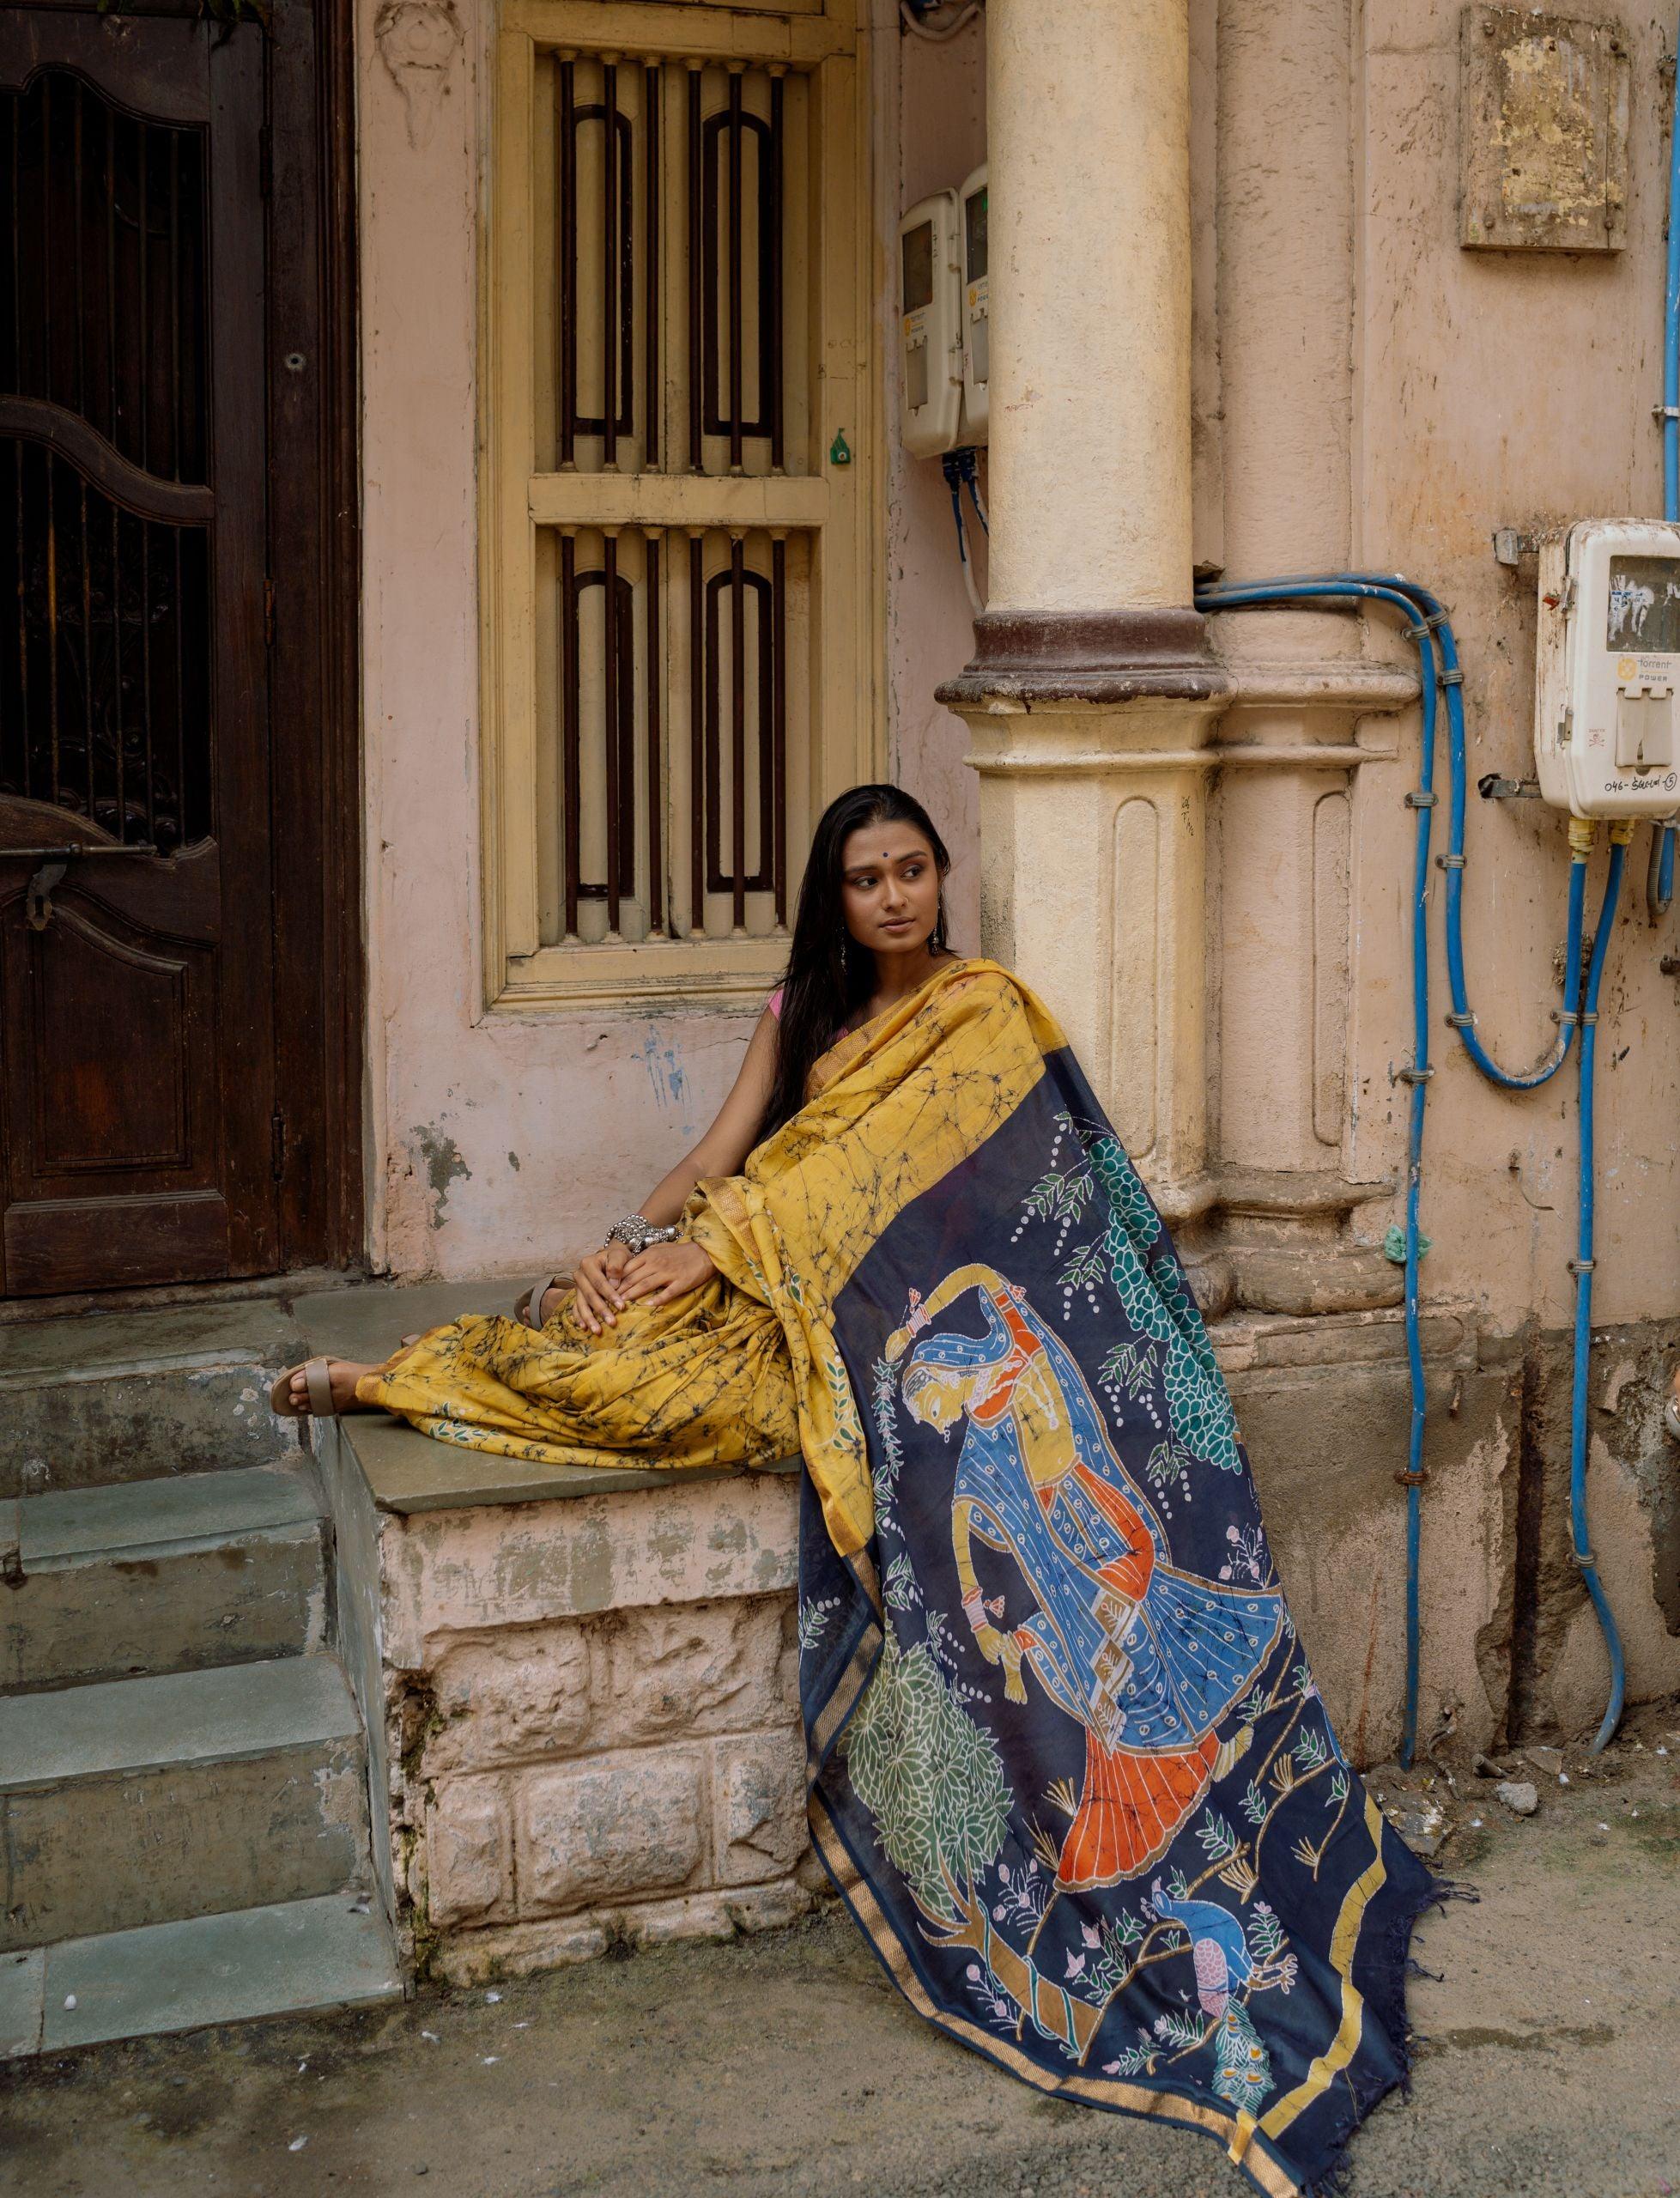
<point x="976" y="311"/>
<point x="1609" y="649"/>
<point x="930" y="325"/>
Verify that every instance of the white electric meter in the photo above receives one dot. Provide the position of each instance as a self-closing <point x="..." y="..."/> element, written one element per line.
<point x="1609" y="663"/>
<point x="976" y="311"/>
<point x="930" y="325"/>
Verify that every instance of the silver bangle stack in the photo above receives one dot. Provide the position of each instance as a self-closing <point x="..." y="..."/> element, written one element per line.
<point x="638" y="1232"/>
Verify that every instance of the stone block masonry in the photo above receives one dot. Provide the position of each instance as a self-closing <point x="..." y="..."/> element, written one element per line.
<point x="581" y="1688"/>
<point x="593" y="1722"/>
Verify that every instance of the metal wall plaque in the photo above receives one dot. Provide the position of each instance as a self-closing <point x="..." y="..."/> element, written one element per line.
<point x="1543" y="132"/>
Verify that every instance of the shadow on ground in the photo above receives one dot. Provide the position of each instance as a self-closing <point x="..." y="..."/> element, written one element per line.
<point x="1548" y="2060"/>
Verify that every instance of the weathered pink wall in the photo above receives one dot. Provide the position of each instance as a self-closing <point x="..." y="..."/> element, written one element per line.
<point x="1498" y="389"/>
<point x="500" y="1142"/>
<point x="488" y="1151"/>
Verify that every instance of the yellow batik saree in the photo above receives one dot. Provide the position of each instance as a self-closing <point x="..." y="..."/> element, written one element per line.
<point x="1067" y="1761"/>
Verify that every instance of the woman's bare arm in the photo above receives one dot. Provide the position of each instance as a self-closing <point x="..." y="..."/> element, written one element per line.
<point x="608" y="1280"/>
<point x="731" y="1137"/>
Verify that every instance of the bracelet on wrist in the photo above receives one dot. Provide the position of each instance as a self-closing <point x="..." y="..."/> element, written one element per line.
<point x="638" y="1232"/>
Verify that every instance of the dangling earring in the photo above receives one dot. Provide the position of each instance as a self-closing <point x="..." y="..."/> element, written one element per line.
<point x="939" y="942"/>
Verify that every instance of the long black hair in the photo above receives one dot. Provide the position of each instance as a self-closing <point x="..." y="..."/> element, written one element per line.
<point x="830" y="975"/>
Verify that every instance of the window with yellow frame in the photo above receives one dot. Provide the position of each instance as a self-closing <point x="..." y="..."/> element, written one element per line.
<point x="681" y="636"/>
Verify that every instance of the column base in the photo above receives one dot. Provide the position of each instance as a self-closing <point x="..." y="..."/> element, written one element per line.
<point x="1097" y="657"/>
<point x="1280" y="1243"/>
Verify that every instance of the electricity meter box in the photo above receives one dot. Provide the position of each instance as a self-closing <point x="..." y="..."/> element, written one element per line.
<point x="976" y="311"/>
<point x="930" y="325"/>
<point x="1609" y="663"/>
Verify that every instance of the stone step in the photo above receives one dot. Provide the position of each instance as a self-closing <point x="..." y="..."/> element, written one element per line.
<point x="297" y="1958"/>
<point x="163" y="1575"/>
<point x="107" y="1397"/>
<point x="142" y="1801"/>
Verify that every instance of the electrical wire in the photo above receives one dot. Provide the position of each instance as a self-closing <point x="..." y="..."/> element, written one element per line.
<point x="952" y="472"/>
<point x="1659" y="874"/>
<point x="969" y="461"/>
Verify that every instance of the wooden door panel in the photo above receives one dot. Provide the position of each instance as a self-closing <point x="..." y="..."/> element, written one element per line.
<point x="137" y="1062"/>
<point x="158" y="69"/>
<point x="111" y="1025"/>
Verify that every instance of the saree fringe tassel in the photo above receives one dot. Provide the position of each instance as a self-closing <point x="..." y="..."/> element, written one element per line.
<point x="1067" y="1763"/>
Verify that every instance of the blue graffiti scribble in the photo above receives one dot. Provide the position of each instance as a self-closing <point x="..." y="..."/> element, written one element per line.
<point x="667" y="1077"/>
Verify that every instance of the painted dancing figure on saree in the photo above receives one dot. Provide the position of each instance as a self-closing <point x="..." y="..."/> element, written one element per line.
<point x="1146" y="1657"/>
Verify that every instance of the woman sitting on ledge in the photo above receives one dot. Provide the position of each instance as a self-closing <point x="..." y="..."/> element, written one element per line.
<point x="1097" y="1827"/>
<point x="869" y="934"/>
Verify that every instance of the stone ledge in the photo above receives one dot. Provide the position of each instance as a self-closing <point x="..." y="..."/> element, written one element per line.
<point x="477" y="1568"/>
<point x="407" y="1471"/>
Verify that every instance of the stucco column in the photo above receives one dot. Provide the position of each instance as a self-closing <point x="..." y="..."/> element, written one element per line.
<point x="1088" y="146"/>
<point x="1090" y="687"/>
<point x="1303" y="692"/>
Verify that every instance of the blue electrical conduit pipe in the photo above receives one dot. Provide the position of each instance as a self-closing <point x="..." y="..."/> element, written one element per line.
<point x="1581" y="836"/>
<point x="1416" y="1074"/>
<point x="1582" y="1264"/>
<point x="1426" y="620"/>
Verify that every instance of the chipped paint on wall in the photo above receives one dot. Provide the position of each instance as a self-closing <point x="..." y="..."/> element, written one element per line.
<point x="440" y="1158"/>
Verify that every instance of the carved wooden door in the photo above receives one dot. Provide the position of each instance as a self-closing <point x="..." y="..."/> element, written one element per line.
<point x="137" y="1055"/>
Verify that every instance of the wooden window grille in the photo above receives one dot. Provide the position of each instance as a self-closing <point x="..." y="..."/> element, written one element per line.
<point x="677" y="606"/>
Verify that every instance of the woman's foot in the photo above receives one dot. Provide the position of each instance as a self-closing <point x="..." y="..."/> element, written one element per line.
<point x="541" y="1302"/>
<point x="333" y="1391"/>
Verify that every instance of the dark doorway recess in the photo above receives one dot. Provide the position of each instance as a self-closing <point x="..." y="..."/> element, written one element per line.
<point x="181" y="1000"/>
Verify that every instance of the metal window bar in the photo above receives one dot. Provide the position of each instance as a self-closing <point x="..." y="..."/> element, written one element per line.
<point x="570" y="678"/>
<point x="656" y="776"/>
<point x="779" y="719"/>
<point x="613" y="729"/>
<point x="729" y="867"/>
<point x="771" y="258"/>
<point x="612" y="315"/>
<point x="618" y="252"/>
<point x="607" y="739"/>
<point x="566" y="251"/>
<point x="736" y="303"/>
<point x="696" y="735"/>
<point x="653" y="296"/>
<point x="697" y="325"/>
<point x="720" y="301"/>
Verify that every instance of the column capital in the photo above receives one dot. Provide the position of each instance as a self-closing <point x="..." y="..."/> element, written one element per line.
<point x="1097" y="657"/>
